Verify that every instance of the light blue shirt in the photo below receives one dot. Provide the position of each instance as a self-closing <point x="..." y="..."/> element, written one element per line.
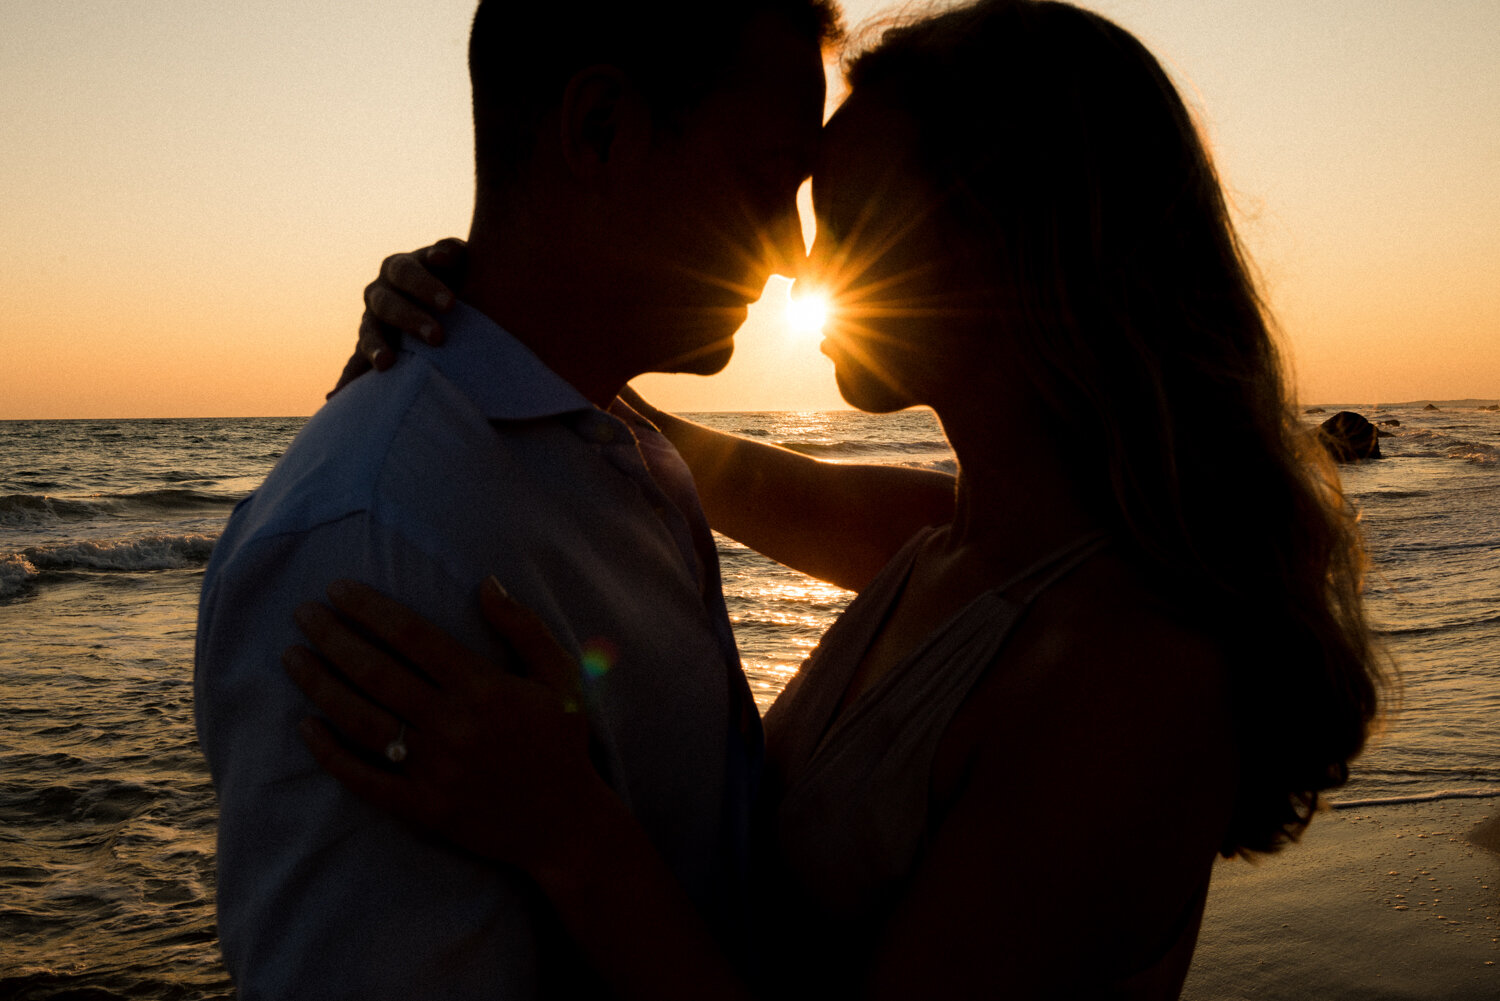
<point x="457" y="463"/>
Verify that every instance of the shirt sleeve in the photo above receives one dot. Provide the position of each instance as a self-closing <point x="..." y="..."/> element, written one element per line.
<point x="320" y="895"/>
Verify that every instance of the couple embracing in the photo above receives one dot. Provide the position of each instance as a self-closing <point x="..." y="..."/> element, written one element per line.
<point x="465" y="677"/>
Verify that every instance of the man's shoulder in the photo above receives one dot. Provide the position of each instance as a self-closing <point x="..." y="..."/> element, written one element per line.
<point x="407" y="423"/>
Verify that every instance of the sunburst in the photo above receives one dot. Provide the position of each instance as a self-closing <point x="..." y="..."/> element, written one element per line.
<point x="806" y="314"/>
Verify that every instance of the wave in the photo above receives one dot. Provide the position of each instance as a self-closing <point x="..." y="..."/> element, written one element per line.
<point x="1419" y="797"/>
<point x="146" y="552"/>
<point x="16" y="571"/>
<point x="174" y="499"/>
<point x="1438" y="445"/>
<point x="38" y="510"/>
<point x="852" y="448"/>
<point x="1440" y="627"/>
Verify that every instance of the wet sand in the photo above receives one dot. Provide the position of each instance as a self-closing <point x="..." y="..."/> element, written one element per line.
<point x="1398" y="901"/>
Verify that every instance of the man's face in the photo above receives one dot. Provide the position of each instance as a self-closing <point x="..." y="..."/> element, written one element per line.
<point x="718" y="200"/>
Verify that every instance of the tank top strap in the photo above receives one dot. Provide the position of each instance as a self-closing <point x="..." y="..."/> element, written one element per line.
<point x="1024" y="587"/>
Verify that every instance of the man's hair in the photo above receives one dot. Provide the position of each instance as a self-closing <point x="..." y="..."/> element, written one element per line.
<point x="677" y="52"/>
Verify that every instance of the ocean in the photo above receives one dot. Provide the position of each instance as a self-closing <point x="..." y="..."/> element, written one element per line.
<point x="106" y="811"/>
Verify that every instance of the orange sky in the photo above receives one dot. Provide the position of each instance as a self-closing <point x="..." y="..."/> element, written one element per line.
<point x="192" y="195"/>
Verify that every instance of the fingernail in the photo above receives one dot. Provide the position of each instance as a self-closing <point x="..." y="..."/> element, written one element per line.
<point x="444" y="299"/>
<point x="493" y="585"/>
<point x="382" y="359"/>
<point x="430" y="332"/>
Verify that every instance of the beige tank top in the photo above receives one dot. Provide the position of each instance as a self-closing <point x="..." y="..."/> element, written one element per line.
<point x="848" y="792"/>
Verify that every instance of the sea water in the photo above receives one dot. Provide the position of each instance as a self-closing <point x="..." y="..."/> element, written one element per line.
<point x="106" y="812"/>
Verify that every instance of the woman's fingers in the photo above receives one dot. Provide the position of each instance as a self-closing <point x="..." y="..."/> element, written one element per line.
<point x="363" y="723"/>
<point x="539" y="655"/>
<point x="377" y="343"/>
<point x="403" y="632"/>
<point x="406" y="298"/>
<point x="369" y="667"/>
<point x="446" y="259"/>
<point x="410" y="276"/>
<point x="394" y="314"/>
<point x="384" y="789"/>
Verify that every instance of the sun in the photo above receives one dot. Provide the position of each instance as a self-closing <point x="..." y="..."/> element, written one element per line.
<point x="806" y="313"/>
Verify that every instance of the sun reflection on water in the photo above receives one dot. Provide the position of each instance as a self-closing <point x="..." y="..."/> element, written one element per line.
<point x="778" y="614"/>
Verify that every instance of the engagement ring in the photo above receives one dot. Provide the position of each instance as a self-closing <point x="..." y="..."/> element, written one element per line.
<point x="395" y="751"/>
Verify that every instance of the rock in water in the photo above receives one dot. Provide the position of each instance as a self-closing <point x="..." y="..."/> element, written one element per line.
<point x="1349" y="437"/>
<point x="1430" y="406"/>
<point x="1315" y="410"/>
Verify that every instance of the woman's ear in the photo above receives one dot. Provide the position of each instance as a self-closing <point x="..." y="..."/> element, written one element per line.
<point x="605" y="122"/>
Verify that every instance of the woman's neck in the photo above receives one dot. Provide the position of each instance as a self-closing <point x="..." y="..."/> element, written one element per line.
<point x="1017" y="498"/>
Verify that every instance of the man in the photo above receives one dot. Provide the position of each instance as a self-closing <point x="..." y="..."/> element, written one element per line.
<point x="636" y="174"/>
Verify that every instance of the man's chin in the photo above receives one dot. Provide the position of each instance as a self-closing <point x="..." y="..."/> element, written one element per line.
<point x="703" y="361"/>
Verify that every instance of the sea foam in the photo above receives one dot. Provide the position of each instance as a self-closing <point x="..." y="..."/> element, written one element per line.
<point x="16" y="571"/>
<point x="1434" y="444"/>
<point x="147" y="552"/>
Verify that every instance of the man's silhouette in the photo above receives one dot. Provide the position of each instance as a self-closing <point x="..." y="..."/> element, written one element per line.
<point x="637" y="166"/>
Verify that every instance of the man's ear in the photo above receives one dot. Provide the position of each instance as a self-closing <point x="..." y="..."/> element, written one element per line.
<point x="605" y="121"/>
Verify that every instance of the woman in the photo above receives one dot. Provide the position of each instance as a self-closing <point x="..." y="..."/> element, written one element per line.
<point x="1138" y="644"/>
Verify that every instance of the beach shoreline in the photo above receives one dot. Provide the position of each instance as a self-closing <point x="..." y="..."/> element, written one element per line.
<point x="1390" y="901"/>
<point x="111" y="811"/>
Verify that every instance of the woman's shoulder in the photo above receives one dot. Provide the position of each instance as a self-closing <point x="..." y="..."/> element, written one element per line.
<point x="1099" y="747"/>
<point x="1106" y="674"/>
<point x="1113" y="628"/>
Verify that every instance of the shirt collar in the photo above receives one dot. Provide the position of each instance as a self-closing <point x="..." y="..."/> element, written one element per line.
<point x="499" y="373"/>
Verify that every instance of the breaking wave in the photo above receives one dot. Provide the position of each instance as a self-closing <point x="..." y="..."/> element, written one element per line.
<point x="146" y="552"/>
<point x="41" y="510"/>
<point x="16" y="571"/>
<point x="1438" y="445"/>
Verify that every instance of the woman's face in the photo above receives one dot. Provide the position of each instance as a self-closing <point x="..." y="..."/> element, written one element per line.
<point x="900" y="290"/>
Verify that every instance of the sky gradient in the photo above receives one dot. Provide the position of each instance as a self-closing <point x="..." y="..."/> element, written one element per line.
<point x="193" y="194"/>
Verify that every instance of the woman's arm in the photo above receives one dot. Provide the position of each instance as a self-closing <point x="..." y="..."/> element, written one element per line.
<point x="406" y="297"/>
<point x="497" y="765"/>
<point x="839" y="523"/>
<point x="621" y="903"/>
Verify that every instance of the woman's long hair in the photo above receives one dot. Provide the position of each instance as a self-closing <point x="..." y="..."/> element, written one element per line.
<point x="1067" y="155"/>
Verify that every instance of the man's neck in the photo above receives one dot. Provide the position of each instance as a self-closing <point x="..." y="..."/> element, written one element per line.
<point x="551" y="309"/>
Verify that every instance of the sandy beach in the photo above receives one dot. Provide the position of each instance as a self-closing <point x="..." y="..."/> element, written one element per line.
<point x="1396" y="901"/>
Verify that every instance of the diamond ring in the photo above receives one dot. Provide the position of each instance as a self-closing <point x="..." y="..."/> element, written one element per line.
<point x="395" y="751"/>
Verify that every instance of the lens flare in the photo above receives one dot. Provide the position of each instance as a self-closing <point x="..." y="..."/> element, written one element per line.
<point x="597" y="657"/>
